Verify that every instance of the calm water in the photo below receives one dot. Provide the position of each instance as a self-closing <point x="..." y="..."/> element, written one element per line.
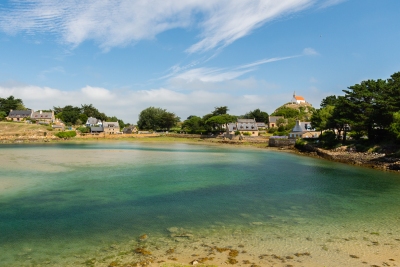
<point x="62" y="203"/>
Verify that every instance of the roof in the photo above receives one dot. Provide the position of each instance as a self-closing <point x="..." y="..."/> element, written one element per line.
<point x="260" y="124"/>
<point x="96" y="129"/>
<point x="43" y="115"/>
<point x="246" y="120"/>
<point x="111" y="124"/>
<point x="92" y="121"/>
<point x="247" y="126"/>
<point x="302" y="126"/>
<point x="20" y="113"/>
<point x="299" y="97"/>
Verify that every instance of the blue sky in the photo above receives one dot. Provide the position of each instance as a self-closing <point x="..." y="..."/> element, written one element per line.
<point x="190" y="56"/>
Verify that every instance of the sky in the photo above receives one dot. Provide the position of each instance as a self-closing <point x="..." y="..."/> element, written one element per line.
<point x="191" y="56"/>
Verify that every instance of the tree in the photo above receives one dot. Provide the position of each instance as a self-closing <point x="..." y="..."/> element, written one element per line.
<point x="286" y="112"/>
<point x="395" y="125"/>
<point x="258" y="115"/>
<point x="69" y="114"/>
<point x="6" y="104"/>
<point x="219" y="120"/>
<point x="220" y="111"/>
<point x="156" y="118"/>
<point x="320" y="118"/>
<point x="364" y="106"/>
<point x="193" y="124"/>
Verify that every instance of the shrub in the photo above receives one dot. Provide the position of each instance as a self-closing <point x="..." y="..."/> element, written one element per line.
<point x="328" y="139"/>
<point x="237" y="133"/>
<point x="68" y="134"/>
<point x="272" y="130"/>
<point x="83" y="129"/>
<point x="247" y="133"/>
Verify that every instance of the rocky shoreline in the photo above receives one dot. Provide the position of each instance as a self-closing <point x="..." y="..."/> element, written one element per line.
<point x="346" y="155"/>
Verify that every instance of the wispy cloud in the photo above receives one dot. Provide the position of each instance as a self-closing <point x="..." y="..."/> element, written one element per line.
<point x="122" y="22"/>
<point x="328" y="3"/>
<point x="224" y="74"/>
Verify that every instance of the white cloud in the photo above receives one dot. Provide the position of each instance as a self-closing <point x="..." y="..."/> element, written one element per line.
<point x="310" y="52"/>
<point x="128" y="105"/>
<point x="329" y="3"/>
<point x="122" y="22"/>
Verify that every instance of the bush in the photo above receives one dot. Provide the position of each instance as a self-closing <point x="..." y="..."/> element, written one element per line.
<point x="68" y="134"/>
<point x="237" y="133"/>
<point x="83" y="129"/>
<point x="328" y="139"/>
<point x="300" y="143"/>
<point x="272" y="130"/>
<point x="247" y="133"/>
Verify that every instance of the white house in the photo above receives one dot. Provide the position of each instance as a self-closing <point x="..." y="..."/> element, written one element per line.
<point x="303" y="130"/>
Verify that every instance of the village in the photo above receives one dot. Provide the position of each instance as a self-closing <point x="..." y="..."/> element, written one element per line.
<point x="237" y="129"/>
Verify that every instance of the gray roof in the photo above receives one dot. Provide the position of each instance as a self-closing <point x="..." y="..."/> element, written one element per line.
<point x="111" y="124"/>
<point x="246" y="120"/>
<point x="260" y="124"/>
<point x="247" y="126"/>
<point x="43" y="115"/>
<point x="96" y="129"/>
<point x="302" y="126"/>
<point x="92" y="121"/>
<point x="20" y="113"/>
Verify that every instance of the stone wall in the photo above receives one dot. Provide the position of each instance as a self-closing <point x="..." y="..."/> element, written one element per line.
<point x="280" y="142"/>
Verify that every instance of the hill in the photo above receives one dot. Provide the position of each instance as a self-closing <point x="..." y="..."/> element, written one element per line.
<point x="302" y="111"/>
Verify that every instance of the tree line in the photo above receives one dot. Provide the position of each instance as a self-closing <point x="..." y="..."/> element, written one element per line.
<point x="370" y="109"/>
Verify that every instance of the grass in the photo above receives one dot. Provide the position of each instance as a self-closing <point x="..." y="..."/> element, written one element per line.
<point x="20" y="128"/>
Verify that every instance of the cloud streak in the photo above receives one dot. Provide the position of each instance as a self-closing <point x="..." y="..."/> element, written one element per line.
<point x="123" y="22"/>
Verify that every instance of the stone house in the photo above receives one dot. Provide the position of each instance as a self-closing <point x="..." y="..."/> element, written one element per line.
<point x="19" y="115"/>
<point x="43" y="117"/>
<point x="243" y="126"/>
<point x="273" y="121"/>
<point x="111" y="127"/>
<point x="130" y="129"/>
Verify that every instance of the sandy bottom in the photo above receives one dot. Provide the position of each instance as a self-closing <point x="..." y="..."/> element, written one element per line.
<point x="274" y="243"/>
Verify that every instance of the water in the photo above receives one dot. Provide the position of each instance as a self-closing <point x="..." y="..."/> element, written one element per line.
<point x="62" y="204"/>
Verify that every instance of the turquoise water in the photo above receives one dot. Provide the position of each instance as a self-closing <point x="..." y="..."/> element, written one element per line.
<point x="62" y="203"/>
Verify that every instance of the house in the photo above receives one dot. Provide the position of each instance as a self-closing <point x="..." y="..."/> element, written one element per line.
<point x="93" y="122"/>
<point x="19" y="115"/>
<point x="273" y="121"/>
<point x="303" y="130"/>
<point x="130" y="129"/>
<point x="111" y="127"/>
<point x="43" y="117"/>
<point x="243" y="126"/>
<point x="298" y="99"/>
<point x="261" y="125"/>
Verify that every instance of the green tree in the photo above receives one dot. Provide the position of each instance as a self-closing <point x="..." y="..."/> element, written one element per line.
<point x="287" y="112"/>
<point x="220" y="111"/>
<point x="258" y="115"/>
<point x="70" y="114"/>
<point x="6" y="104"/>
<point x="219" y="120"/>
<point x="364" y="106"/>
<point x="193" y="124"/>
<point x="395" y="125"/>
<point x="156" y="118"/>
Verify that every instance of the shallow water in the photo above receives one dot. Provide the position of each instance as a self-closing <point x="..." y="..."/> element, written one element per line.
<point x="61" y="204"/>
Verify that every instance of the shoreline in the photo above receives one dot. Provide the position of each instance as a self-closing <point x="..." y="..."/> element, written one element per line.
<point x="377" y="161"/>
